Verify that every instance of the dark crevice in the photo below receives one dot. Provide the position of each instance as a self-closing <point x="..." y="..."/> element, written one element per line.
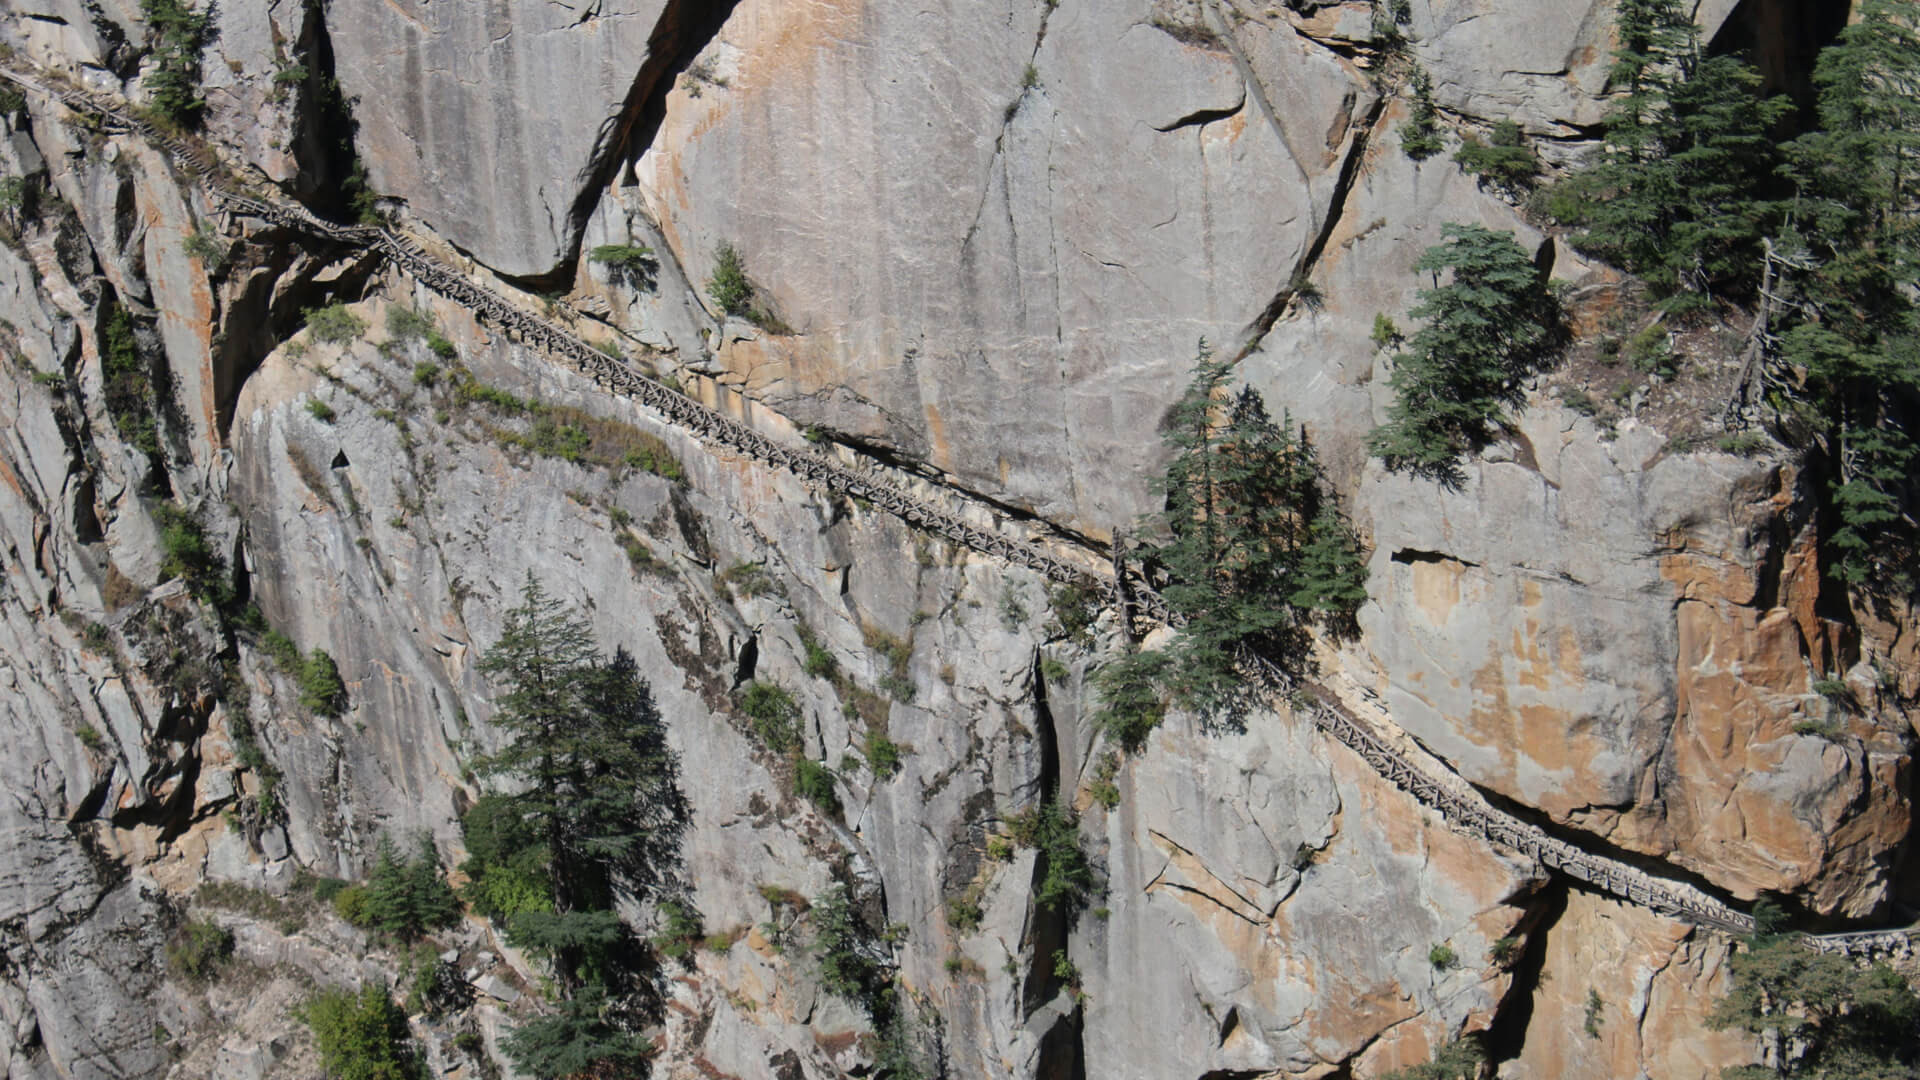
<point x="1203" y="117"/>
<point x="1782" y="39"/>
<point x="1507" y="1034"/>
<point x="324" y="128"/>
<point x="683" y="29"/>
<point x="1336" y="209"/>
<point x="1409" y="556"/>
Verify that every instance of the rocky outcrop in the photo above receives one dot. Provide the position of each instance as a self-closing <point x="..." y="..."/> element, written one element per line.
<point x="985" y="242"/>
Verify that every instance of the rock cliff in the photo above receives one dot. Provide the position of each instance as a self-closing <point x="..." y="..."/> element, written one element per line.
<point x="983" y="241"/>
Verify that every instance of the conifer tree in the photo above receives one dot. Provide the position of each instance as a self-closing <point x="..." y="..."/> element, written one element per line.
<point x="1678" y="193"/>
<point x="1856" y="235"/>
<point x="595" y="787"/>
<point x="1420" y="136"/>
<point x="1254" y="551"/>
<point x="1489" y="326"/>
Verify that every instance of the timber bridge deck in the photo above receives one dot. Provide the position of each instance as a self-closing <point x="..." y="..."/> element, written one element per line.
<point x="1123" y="587"/>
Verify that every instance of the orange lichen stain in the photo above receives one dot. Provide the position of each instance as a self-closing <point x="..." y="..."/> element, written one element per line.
<point x="11" y="479"/>
<point x="1436" y="588"/>
<point x="942" y="450"/>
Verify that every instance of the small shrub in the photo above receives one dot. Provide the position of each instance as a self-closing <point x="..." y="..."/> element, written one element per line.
<point x="749" y="580"/>
<point x="775" y="716"/>
<point x="408" y="324"/>
<point x="439" y="346"/>
<point x="1743" y="443"/>
<point x="1824" y="729"/>
<point x="350" y="903"/>
<point x="320" y="410"/>
<point x="1651" y="352"/>
<point x="680" y="930"/>
<point x="320" y="687"/>
<point x="1504" y="950"/>
<point x="90" y="737"/>
<point x="335" y="325"/>
<point x="630" y="263"/>
<point x="1835" y="690"/>
<point x="964" y="912"/>
<point x="1507" y="163"/>
<point x="1441" y="957"/>
<point x="1591" y="1024"/>
<point x="204" y="244"/>
<point x="883" y="755"/>
<point x="814" y="782"/>
<point x="1385" y="335"/>
<point x="818" y="661"/>
<point x="361" y="1036"/>
<point x="1420" y="136"/>
<point x="199" y="950"/>
<point x="326" y="888"/>
<point x="729" y="288"/>
<point x="1076" y="607"/>
<point x="1054" y="831"/>
<point x="95" y="636"/>
<point x="1053" y="670"/>
<point x="999" y="848"/>
<point x="1579" y="401"/>
<point x="426" y="374"/>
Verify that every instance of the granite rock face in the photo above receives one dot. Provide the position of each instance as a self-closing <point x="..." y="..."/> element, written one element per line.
<point x="984" y="241"/>
<point x="490" y="123"/>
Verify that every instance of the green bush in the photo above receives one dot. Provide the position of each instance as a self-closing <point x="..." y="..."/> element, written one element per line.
<point x="814" y="782"/>
<point x="426" y="374"/>
<point x="630" y="263"/>
<point x="1441" y="957"/>
<point x="1132" y="700"/>
<point x="179" y="34"/>
<point x="748" y="580"/>
<point x="882" y="754"/>
<point x="1420" y="136"/>
<point x="1506" y="163"/>
<point x="199" y="949"/>
<point x="1489" y="327"/>
<point x="204" y="244"/>
<point x="127" y="382"/>
<point x="1460" y="1060"/>
<point x="818" y="662"/>
<point x="352" y="904"/>
<point x="729" y="288"/>
<point x="320" y="687"/>
<point x="680" y="930"/>
<point x="408" y="324"/>
<point x="187" y="554"/>
<point x="438" y="344"/>
<point x="841" y="962"/>
<point x="362" y="1036"/>
<point x="335" y="325"/>
<point x="320" y="410"/>
<point x="1053" y="830"/>
<point x="775" y="716"/>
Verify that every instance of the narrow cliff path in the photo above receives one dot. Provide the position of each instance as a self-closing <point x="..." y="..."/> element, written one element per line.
<point x="1348" y="713"/>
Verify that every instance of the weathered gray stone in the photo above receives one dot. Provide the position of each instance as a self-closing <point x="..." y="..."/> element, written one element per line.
<point x="485" y="122"/>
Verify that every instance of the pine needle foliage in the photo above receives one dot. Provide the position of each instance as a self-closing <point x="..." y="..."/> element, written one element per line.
<point x="1420" y="136"/>
<point x="178" y="33"/>
<point x="1817" y="1014"/>
<point x="1486" y="328"/>
<point x="362" y="1035"/>
<point x="1679" y="193"/>
<point x="587" y="777"/>
<point x="1852" y="244"/>
<point x="1256" y="551"/>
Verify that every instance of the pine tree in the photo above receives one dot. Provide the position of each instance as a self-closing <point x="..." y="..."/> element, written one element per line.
<point x="1248" y="514"/>
<point x="1677" y="193"/>
<point x="1857" y="230"/>
<point x="1493" y="323"/>
<point x="1819" y="1014"/>
<point x="1506" y="163"/>
<point x="1420" y="136"/>
<point x="595" y="788"/>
